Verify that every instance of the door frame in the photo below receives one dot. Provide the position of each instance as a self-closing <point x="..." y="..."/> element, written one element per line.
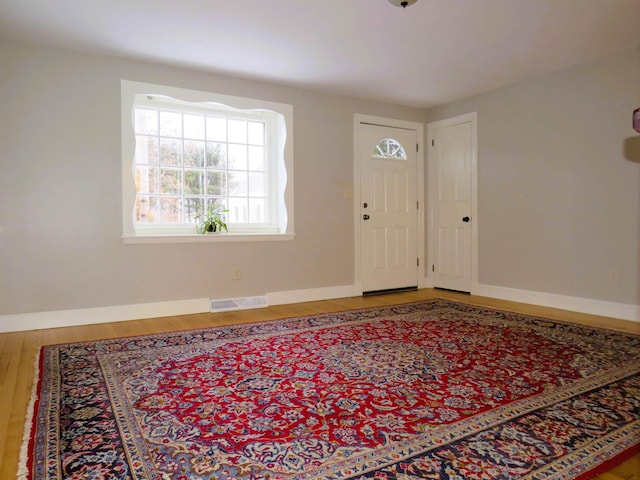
<point x="393" y="123"/>
<point x="433" y="193"/>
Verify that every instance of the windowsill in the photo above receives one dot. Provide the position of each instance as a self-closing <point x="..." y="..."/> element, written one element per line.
<point x="208" y="238"/>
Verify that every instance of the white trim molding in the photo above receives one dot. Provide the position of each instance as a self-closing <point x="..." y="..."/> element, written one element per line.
<point x="118" y="313"/>
<point x="313" y="294"/>
<point x="87" y="316"/>
<point x="623" y="311"/>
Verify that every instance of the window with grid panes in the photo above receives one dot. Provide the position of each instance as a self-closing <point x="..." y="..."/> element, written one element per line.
<point x="189" y="156"/>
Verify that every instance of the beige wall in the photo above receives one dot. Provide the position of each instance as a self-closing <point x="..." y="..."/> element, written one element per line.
<point x="559" y="181"/>
<point x="559" y="187"/>
<point x="60" y="191"/>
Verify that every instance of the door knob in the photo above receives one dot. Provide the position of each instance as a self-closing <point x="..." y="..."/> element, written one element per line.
<point x="365" y="217"/>
<point x="465" y="219"/>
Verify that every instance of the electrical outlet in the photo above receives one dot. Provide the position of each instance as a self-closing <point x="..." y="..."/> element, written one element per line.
<point x="614" y="277"/>
<point x="235" y="273"/>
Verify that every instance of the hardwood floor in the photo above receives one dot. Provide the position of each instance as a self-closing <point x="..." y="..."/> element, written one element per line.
<point x="18" y="351"/>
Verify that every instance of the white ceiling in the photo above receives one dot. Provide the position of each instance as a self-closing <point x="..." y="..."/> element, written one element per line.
<point x="428" y="54"/>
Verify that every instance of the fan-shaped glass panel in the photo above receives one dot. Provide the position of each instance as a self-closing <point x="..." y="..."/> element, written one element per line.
<point x="389" y="148"/>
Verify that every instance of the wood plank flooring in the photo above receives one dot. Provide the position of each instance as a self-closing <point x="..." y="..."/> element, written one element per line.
<point x="18" y="351"/>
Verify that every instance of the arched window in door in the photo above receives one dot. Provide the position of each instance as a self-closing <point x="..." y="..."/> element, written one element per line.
<point x="389" y="148"/>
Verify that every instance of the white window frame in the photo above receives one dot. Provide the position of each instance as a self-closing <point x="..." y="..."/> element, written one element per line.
<point x="281" y="162"/>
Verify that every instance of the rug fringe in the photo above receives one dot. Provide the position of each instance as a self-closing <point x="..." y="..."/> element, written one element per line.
<point x="23" y="468"/>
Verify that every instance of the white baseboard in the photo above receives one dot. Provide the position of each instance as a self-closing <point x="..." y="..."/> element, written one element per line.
<point x="86" y="316"/>
<point x="313" y="294"/>
<point x="117" y="313"/>
<point x="622" y="311"/>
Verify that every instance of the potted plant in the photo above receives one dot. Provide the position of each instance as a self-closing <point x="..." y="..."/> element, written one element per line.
<point x="211" y="221"/>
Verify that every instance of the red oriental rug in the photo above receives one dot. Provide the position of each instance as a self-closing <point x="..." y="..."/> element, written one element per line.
<point x="435" y="390"/>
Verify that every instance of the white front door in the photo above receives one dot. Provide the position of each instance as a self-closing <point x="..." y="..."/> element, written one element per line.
<point x="388" y="207"/>
<point x="451" y="157"/>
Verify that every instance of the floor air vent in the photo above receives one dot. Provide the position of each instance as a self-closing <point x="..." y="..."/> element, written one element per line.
<point x="237" y="304"/>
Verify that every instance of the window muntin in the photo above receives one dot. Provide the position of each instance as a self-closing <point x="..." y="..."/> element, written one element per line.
<point x="389" y="148"/>
<point x="180" y="155"/>
<point x="185" y="160"/>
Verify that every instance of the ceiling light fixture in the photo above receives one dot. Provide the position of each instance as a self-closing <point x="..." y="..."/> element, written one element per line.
<point x="403" y="3"/>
